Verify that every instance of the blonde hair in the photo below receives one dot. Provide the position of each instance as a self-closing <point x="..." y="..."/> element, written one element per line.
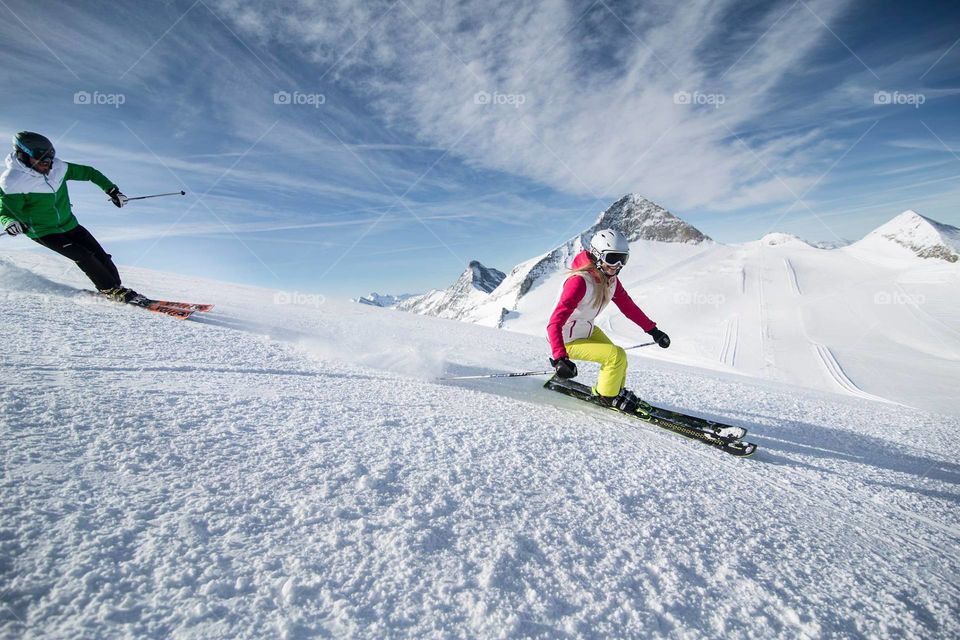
<point x="601" y="289"/>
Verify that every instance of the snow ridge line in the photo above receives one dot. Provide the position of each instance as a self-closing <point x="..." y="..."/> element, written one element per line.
<point x="792" y="276"/>
<point x="833" y="368"/>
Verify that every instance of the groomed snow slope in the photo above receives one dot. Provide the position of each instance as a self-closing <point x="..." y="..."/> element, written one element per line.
<point x="273" y="470"/>
<point x="867" y="321"/>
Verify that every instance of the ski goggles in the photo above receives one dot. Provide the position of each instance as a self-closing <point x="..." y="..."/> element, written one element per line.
<point x="614" y="258"/>
<point x="47" y="155"/>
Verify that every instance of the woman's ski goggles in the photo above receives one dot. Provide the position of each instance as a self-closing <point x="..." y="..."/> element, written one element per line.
<point x="614" y="259"/>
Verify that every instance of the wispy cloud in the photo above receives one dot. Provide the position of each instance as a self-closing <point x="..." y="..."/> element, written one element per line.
<point x="496" y="120"/>
<point x="595" y="88"/>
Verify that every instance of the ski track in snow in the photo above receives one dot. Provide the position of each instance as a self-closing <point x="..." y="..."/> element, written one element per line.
<point x="792" y="276"/>
<point x="833" y="368"/>
<point x="286" y="471"/>
<point x="728" y="345"/>
<point x="766" y="350"/>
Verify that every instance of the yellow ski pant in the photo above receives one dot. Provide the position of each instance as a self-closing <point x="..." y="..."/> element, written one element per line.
<point x="612" y="359"/>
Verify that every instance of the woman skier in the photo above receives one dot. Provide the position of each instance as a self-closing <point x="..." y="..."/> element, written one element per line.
<point x="591" y="284"/>
<point x="34" y="200"/>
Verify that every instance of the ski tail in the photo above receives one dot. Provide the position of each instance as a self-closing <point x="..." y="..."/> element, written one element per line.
<point x="190" y="306"/>
<point x="173" y="312"/>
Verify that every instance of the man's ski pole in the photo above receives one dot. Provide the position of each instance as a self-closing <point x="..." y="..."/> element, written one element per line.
<point x="159" y="195"/>
<point x="637" y="346"/>
<point x="517" y="374"/>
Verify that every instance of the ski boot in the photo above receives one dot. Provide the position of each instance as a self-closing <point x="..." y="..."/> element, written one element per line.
<point x="625" y="401"/>
<point x="124" y="294"/>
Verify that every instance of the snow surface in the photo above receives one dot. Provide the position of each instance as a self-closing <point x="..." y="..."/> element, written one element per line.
<point x="278" y="470"/>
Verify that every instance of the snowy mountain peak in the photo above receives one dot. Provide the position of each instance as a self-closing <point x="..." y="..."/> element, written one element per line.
<point x="481" y="277"/>
<point x="925" y="237"/>
<point x="778" y="238"/>
<point x="471" y="288"/>
<point x="476" y="278"/>
<point x="640" y="219"/>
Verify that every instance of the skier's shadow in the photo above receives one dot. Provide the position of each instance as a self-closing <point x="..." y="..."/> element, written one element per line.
<point x="796" y="438"/>
<point x="783" y="442"/>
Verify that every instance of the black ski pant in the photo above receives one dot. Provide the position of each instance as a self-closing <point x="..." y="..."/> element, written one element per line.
<point x="81" y="247"/>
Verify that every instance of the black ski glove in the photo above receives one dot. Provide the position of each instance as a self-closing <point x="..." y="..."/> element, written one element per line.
<point x="118" y="198"/>
<point x="566" y="368"/>
<point x="660" y="337"/>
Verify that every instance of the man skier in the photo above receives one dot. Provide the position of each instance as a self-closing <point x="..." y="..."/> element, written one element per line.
<point x="34" y="200"/>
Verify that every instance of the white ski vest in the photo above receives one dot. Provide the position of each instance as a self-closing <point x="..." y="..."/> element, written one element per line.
<point x="581" y="322"/>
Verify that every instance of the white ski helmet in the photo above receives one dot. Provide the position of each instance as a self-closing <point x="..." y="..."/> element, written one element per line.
<point x="609" y="246"/>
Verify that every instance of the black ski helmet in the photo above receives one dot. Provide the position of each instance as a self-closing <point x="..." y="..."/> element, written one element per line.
<point x="28" y="144"/>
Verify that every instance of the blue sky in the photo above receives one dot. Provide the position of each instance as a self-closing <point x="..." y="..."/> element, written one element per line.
<point x="345" y="147"/>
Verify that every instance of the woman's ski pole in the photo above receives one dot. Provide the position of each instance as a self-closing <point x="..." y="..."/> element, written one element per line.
<point x="159" y="195"/>
<point x="517" y="374"/>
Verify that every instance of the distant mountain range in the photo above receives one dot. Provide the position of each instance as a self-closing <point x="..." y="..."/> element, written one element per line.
<point x="383" y="300"/>
<point x="488" y="296"/>
<point x="472" y="288"/>
<point x="473" y="299"/>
